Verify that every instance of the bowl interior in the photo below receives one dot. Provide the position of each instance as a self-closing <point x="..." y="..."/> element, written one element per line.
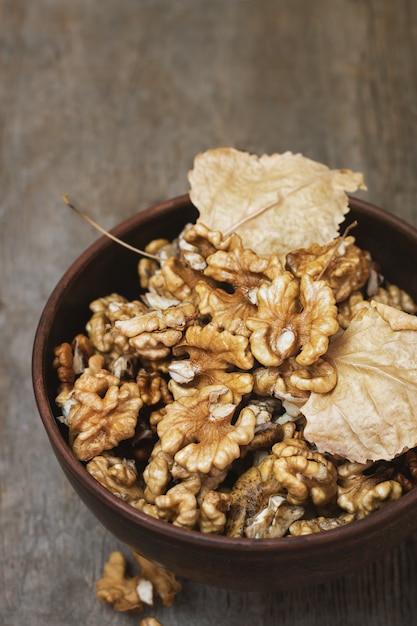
<point x="105" y="267"/>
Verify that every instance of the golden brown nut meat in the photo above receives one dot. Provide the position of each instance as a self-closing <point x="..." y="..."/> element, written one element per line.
<point x="242" y="268"/>
<point x="72" y="359"/>
<point x="348" y="308"/>
<point x="213" y="512"/>
<point x="176" y="280"/>
<point x="344" y="266"/>
<point x="118" y="476"/>
<point x="157" y="473"/>
<point x="212" y="355"/>
<point x="99" y="326"/>
<point x="361" y="493"/>
<point x="130" y="593"/>
<point x="102" y="412"/>
<point x="178" y="506"/>
<point x="306" y="476"/>
<point x="250" y="494"/>
<point x="268" y="429"/>
<point x="118" y="589"/>
<point x="209" y="348"/>
<point x="274" y="520"/>
<point x="197" y="243"/>
<point x="293" y="319"/>
<point x="318" y="524"/>
<point x="63" y="364"/>
<point x="292" y="382"/>
<point x="149" y="621"/>
<point x="153" y="388"/>
<point x="163" y="581"/>
<point x="161" y="248"/>
<point x="199" y="432"/>
<point x="153" y="334"/>
<point x="397" y="298"/>
<point x="227" y="310"/>
<point x="244" y="271"/>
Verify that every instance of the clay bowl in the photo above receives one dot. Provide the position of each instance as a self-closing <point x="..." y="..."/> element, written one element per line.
<point x="242" y="564"/>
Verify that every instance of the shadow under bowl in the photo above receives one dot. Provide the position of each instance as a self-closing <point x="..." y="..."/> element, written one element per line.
<point x="243" y="564"/>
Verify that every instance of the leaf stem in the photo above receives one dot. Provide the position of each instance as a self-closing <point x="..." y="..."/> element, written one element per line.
<point x="105" y="232"/>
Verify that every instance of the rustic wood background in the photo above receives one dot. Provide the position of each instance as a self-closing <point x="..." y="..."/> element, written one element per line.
<point x="110" y="101"/>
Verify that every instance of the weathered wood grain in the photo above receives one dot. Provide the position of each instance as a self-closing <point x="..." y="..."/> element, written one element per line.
<point x="109" y="102"/>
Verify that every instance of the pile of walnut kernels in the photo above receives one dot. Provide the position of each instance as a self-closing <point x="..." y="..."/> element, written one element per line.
<point x="187" y="402"/>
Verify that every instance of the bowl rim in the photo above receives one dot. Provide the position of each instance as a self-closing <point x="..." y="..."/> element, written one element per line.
<point x="356" y="530"/>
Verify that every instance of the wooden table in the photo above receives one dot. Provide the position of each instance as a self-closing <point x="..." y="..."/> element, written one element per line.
<point x="110" y="101"/>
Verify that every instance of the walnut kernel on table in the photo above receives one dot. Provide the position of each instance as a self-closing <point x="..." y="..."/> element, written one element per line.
<point x="117" y="588"/>
<point x="164" y="582"/>
<point x="149" y="621"/>
<point x="132" y="593"/>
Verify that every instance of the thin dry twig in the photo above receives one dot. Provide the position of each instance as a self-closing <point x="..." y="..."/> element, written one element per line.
<point x="105" y="232"/>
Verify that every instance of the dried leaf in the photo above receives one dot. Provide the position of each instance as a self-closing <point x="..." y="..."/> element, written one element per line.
<point x="276" y="203"/>
<point x="371" y="414"/>
<point x="398" y="320"/>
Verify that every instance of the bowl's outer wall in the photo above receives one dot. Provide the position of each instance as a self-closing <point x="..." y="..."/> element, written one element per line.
<point x="241" y="564"/>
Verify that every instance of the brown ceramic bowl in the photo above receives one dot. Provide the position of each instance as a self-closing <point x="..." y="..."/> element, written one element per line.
<point x="245" y="564"/>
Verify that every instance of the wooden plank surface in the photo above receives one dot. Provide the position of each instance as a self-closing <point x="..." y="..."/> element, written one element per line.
<point x="110" y="101"/>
